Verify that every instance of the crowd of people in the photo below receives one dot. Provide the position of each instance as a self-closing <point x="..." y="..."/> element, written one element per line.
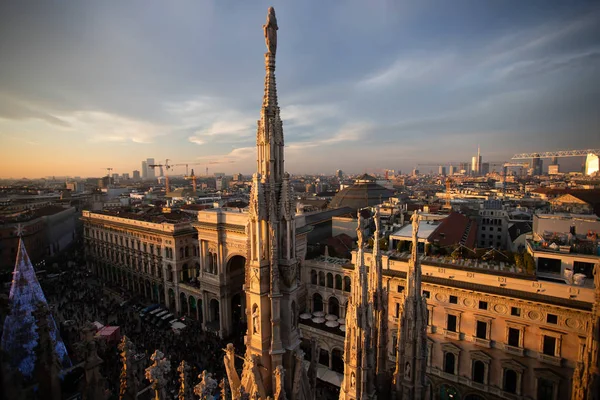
<point x="77" y="298"/>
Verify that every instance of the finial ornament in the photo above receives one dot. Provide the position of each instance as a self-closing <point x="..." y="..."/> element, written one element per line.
<point x="270" y="29"/>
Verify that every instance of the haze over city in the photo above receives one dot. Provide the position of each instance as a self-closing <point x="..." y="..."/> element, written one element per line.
<point x="88" y="85"/>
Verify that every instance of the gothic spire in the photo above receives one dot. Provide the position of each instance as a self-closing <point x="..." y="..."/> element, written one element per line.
<point x="409" y="376"/>
<point x="20" y="335"/>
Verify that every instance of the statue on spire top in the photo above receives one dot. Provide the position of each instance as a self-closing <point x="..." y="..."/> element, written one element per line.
<point x="270" y="29"/>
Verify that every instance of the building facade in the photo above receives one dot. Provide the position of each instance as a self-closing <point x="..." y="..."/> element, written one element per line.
<point x="493" y="225"/>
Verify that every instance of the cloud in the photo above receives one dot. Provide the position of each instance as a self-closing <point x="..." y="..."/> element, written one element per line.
<point x="347" y="134"/>
<point x="100" y="126"/>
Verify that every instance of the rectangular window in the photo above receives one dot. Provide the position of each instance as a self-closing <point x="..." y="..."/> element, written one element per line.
<point x="397" y="310"/>
<point x="400" y="289"/>
<point x="549" y="346"/>
<point x="451" y="323"/>
<point x="481" y="330"/>
<point x="552" y="319"/>
<point x="453" y="300"/>
<point x="513" y="337"/>
<point x="483" y="228"/>
<point x="483" y="305"/>
<point x="515" y="311"/>
<point x="425" y="294"/>
<point x="545" y="389"/>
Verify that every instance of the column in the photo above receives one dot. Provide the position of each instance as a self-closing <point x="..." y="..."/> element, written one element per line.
<point x="177" y="301"/>
<point x="223" y="316"/>
<point x="205" y="312"/>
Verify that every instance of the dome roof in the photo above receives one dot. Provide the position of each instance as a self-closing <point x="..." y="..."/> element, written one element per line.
<point x="364" y="193"/>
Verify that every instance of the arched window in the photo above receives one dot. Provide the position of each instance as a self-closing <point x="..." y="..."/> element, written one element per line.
<point x="324" y="357"/>
<point x="478" y="371"/>
<point x="347" y="284"/>
<point x="313" y="277"/>
<point x="215" y="265"/>
<point x="334" y="306"/>
<point x="169" y="273"/>
<point x="209" y="266"/>
<point x="330" y="280"/>
<point x="187" y="251"/>
<point x="510" y="381"/>
<point x="338" y="282"/>
<point x="181" y="252"/>
<point x="337" y="362"/>
<point x="317" y="302"/>
<point x="449" y="363"/>
<point x="321" y="278"/>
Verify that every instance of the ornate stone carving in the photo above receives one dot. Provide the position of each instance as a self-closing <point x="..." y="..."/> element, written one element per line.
<point x="157" y="373"/>
<point x="184" y="381"/>
<point x="279" y="391"/>
<point x="127" y="388"/>
<point x="206" y="387"/>
<point x="232" y="375"/>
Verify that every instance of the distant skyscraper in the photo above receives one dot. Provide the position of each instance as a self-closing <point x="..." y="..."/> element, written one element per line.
<point x="126" y="175"/>
<point x="536" y="166"/>
<point x="451" y="170"/>
<point x="485" y="168"/>
<point x="151" y="172"/>
<point x="442" y="170"/>
<point x="144" y="170"/>
<point x="592" y="164"/>
<point x="415" y="172"/>
<point x="339" y="174"/>
<point x="136" y="174"/>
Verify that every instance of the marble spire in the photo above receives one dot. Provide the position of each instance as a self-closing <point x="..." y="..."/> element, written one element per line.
<point x="272" y="287"/>
<point x="409" y="376"/>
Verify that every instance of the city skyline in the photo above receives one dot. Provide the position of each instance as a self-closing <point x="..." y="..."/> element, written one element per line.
<point x="96" y="85"/>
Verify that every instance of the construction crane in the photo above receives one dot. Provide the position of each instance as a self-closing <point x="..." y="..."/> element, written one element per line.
<point x="108" y="169"/>
<point x="560" y="153"/>
<point x="192" y="177"/>
<point x="167" y="167"/>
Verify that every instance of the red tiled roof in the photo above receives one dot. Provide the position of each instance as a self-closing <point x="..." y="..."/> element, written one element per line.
<point x="340" y="244"/>
<point x="452" y="229"/>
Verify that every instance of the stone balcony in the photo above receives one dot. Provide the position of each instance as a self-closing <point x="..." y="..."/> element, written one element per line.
<point x="482" y="342"/>
<point x="557" y="361"/>
<point x="452" y="335"/>
<point x="517" y="351"/>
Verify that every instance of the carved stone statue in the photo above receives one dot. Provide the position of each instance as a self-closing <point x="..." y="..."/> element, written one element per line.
<point x="270" y="29"/>
<point x="255" y="320"/>
<point x="415" y="218"/>
<point x="294" y="316"/>
<point x="359" y="231"/>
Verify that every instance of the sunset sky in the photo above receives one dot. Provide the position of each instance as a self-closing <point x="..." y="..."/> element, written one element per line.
<point x="363" y="85"/>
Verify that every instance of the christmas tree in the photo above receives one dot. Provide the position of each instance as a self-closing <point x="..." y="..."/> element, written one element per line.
<point x="20" y="336"/>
